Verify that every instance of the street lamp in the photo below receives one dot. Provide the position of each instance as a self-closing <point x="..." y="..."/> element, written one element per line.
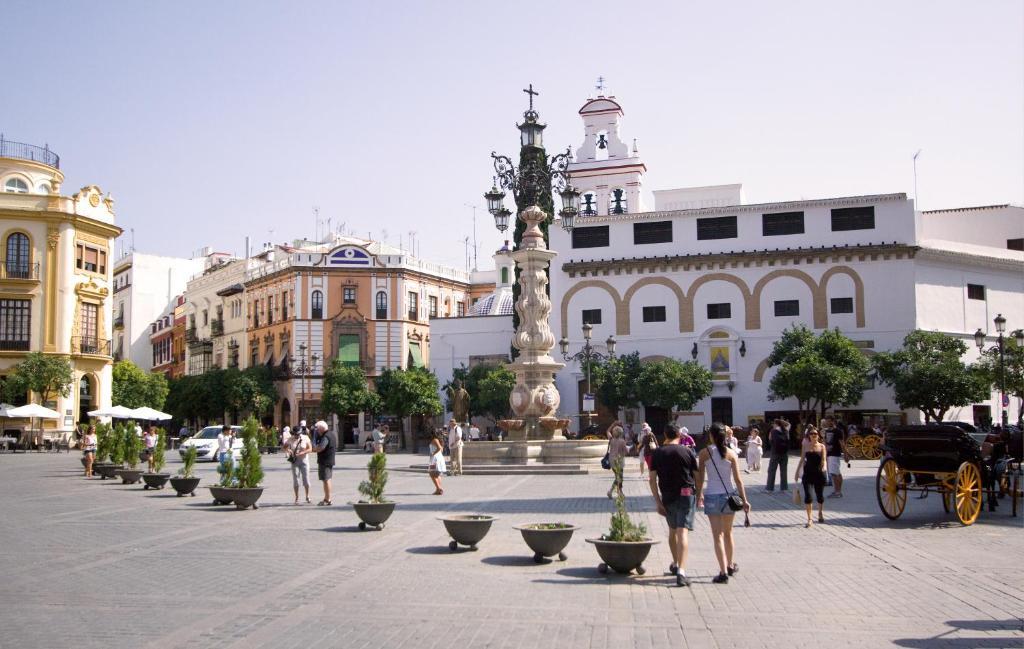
<point x="588" y="354"/>
<point x="979" y="340"/>
<point x="304" y="370"/>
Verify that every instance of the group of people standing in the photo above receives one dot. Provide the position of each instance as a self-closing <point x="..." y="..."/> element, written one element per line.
<point x="298" y="445"/>
<point x="89" y="443"/>
<point x="456" y="435"/>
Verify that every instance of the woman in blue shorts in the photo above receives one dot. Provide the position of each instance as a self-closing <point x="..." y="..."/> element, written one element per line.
<point x="721" y="466"/>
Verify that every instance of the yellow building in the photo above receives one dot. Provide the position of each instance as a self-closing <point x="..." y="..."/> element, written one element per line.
<point x="55" y="277"/>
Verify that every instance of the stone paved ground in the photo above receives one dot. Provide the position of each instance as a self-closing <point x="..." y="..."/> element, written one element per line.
<point x="99" y="564"/>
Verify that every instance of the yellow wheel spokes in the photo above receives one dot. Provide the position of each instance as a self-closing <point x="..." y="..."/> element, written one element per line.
<point x="968" y="493"/>
<point x="870" y="447"/>
<point x="894" y="499"/>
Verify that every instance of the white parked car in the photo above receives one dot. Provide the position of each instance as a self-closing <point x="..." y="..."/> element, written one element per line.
<point x="205" y="442"/>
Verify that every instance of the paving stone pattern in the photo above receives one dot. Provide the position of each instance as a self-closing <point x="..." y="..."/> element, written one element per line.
<point x="91" y="563"/>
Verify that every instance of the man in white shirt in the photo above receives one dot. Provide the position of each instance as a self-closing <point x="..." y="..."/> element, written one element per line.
<point x="224" y="442"/>
<point x="455" y="446"/>
<point x="474" y="433"/>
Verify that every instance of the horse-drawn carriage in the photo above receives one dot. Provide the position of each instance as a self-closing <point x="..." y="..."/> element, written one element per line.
<point x="864" y="446"/>
<point x="962" y="467"/>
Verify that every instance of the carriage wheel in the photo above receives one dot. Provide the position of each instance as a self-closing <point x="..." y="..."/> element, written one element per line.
<point x="855" y="447"/>
<point x="890" y="486"/>
<point x="968" y="493"/>
<point x="872" y="447"/>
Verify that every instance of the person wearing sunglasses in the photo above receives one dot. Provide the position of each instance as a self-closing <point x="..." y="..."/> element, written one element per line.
<point x="810" y="472"/>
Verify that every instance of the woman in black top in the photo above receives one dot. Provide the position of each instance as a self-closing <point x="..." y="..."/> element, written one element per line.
<point x="812" y="468"/>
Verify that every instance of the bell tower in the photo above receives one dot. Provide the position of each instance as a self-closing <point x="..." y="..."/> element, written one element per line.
<point x="608" y="173"/>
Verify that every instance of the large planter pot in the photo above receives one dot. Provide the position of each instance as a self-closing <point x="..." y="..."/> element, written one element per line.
<point x="467" y="529"/>
<point x="105" y="469"/>
<point x="245" y="498"/>
<point x="129" y="476"/>
<point x="622" y="556"/>
<point x="547" y="539"/>
<point x="221" y="495"/>
<point x="184" y="486"/>
<point x="373" y="514"/>
<point x="155" y="480"/>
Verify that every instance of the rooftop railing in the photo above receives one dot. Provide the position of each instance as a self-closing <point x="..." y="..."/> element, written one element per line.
<point x="10" y="149"/>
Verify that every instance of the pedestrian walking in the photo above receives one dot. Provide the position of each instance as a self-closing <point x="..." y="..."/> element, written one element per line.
<point x="754" y="449"/>
<point x="648" y="445"/>
<point x="686" y="439"/>
<point x="810" y="472"/>
<point x="835" y="445"/>
<point x="616" y="453"/>
<point x="149" y="440"/>
<point x="379" y="436"/>
<point x="297" y="449"/>
<point x="325" y="443"/>
<point x="732" y="441"/>
<point x="673" y="480"/>
<point x="778" y="441"/>
<point x="436" y="466"/>
<point x="225" y="442"/>
<point x="89" y="449"/>
<point x="723" y="482"/>
<point x="455" y="446"/>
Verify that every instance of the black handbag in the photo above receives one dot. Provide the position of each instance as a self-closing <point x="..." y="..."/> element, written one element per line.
<point x="606" y="462"/>
<point x="734" y="502"/>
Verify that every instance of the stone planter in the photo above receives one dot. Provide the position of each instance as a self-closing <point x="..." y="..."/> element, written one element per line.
<point x="373" y="514"/>
<point x="155" y="480"/>
<point x="244" y="498"/>
<point x="184" y="486"/>
<point x="467" y="529"/>
<point x="622" y="556"/>
<point x="547" y="539"/>
<point x="221" y="495"/>
<point x="105" y="469"/>
<point x="129" y="476"/>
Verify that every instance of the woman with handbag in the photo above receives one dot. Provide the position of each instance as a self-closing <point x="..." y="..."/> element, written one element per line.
<point x="719" y="498"/>
<point x="297" y="449"/>
<point x="616" y="453"/>
<point x="810" y="473"/>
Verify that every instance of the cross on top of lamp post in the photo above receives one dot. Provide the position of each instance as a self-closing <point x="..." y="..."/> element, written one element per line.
<point x="531" y="92"/>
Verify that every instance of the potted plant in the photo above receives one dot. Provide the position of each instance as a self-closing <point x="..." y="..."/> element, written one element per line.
<point x="273" y="439"/>
<point x="157" y="479"/>
<point x="186" y="481"/>
<point x="115" y="450"/>
<point x="547" y="539"/>
<point x="626" y="545"/>
<point x="467" y="529"/>
<point x="132" y="447"/>
<point x="221" y="491"/>
<point x="104" y="438"/>
<point x="374" y="510"/>
<point x="246" y="475"/>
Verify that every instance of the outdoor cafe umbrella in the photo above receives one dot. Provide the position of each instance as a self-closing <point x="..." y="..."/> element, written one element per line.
<point x="146" y="413"/>
<point x="116" y="412"/>
<point x="33" y="411"/>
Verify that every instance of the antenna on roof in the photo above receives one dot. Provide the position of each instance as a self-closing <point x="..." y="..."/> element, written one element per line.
<point x="917" y="203"/>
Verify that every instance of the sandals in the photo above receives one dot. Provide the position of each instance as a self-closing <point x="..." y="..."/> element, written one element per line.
<point x="722" y="578"/>
<point x="733" y="569"/>
<point x="324" y="502"/>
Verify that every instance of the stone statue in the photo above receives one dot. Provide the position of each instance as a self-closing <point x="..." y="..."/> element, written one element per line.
<point x="458" y="399"/>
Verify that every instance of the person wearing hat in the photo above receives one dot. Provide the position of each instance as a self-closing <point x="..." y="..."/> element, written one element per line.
<point x="325" y="444"/>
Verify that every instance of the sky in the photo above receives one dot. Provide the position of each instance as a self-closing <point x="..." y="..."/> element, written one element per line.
<point x="209" y="121"/>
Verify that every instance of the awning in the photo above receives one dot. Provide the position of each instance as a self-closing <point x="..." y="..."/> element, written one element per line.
<point x="415" y="355"/>
<point x="234" y="289"/>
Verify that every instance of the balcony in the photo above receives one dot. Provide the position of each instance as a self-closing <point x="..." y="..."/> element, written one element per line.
<point x="119" y="322"/>
<point x="217" y="327"/>
<point x="9" y="149"/>
<point x="90" y="345"/>
<point x="17" y="269"/>
<point x="191" y="336"/>
<point x="14" y="345"/>
<point x="413" y="314"/>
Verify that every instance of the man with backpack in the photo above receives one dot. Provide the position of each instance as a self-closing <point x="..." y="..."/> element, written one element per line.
<point x="778" y="442"/>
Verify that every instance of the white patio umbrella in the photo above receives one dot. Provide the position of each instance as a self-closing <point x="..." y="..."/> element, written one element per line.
<point x="33" y="411"/>
<point x="117" y="412"/>
<point x="146" y="413"/>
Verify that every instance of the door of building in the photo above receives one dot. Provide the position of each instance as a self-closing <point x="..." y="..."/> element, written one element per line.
<point x="656" y="418"/>
<point x="721" y="410"/>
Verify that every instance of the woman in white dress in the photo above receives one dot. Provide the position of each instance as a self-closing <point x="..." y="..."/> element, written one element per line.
<point x="754" y="450"/>
<point x="437" y="464"/>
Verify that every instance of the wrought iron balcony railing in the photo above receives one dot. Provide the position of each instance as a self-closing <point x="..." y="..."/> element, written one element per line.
<point x="14" y="345"/>
<point x="9" y="149"/>
<point x="119" y="322"/>
<point x="217" y="327"/>
<point x="90" y="345"/>
<point x="18" y="269"/>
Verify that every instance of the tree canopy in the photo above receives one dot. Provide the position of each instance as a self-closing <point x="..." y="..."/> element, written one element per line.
<point x="208" y="395"/>
<point x="133" y="387"/>
<point x="47" y="375"/>
<point x="345" y="390"/>
<point x="409" y="392"/>
<point x="1012" y="371"/>
<point x="928" y="373"/>
<point x="489" y="387"/>
<point x="819" y="371"/>
<point x="615" y="381"/>
<point x="669" y="383"/>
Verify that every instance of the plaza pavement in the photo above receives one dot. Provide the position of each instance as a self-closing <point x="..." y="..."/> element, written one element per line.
<point x="99" y="564"/>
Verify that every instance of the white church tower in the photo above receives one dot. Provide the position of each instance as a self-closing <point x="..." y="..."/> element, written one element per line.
<point x="606" y="171"/>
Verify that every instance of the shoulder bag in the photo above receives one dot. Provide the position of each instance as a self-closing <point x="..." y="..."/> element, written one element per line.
<point x="734" y="502"/>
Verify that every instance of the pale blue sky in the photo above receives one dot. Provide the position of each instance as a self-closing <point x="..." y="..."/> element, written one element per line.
<point x="212" y="120"/>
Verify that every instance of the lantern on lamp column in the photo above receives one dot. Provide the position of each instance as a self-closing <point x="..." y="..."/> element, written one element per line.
<point x="570" y="206"/>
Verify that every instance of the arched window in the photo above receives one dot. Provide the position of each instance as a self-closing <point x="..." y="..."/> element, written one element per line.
<point x="382" y="305"/>
<point x="43" y="188"/>
<point x="317" y="304"/>
<point x="16" y="185"/>
<point x="17" y="256"/>
<point x="85" y="398"/>
<point x="504" y="275"/>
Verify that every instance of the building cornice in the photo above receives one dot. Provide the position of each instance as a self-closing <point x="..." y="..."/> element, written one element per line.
<point x="733" y="210"/>
<point x="740" y="259"/>
<point x="986" y="261"/>
<point x="82" y="223"/>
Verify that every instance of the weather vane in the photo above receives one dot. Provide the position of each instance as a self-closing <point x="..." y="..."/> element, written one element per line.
<point x="600" y="85"/>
